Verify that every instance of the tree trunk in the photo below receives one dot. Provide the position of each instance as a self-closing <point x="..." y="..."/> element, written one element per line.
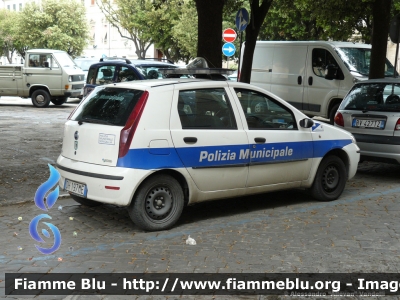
<point x="209" y="44"/>
<point x="380" y="32"/>
<point x="257" y="16"/>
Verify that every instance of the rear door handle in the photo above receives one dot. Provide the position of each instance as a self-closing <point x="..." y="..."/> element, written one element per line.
<point x="260" y="140"/>
<point x="299" y="80"/>
<point x="310" y="80"/>
<point x="190" y="139"/>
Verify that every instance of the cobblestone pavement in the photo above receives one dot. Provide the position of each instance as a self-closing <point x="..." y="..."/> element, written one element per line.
<point x="282" y="232"/>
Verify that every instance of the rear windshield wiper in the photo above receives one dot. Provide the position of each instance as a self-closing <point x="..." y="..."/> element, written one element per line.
<point x="95" y="121"/>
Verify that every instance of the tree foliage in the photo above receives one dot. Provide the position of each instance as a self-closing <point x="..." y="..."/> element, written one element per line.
<point x="7" y="33"/>
<point x="173" y="26"/>
<point x="55" y="24"/>
<point x="131" y="18"/>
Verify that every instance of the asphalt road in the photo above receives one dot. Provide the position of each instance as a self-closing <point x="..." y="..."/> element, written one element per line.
<point x="285" y="232"/>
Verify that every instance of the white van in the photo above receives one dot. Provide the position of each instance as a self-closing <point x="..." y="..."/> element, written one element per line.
<point x="297" y="72"/>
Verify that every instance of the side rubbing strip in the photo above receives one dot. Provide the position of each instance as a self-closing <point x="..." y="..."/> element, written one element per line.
<point x="94" y="175"/>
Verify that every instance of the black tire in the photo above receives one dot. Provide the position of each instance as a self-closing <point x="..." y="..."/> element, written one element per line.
<point x="333" y="113"/>
<point x="59" y="100"/>
<point x="158" y="203"/>
<point x="40" y="98"/>
<point x="330" y="180"/>
<point x="85" y="201"/>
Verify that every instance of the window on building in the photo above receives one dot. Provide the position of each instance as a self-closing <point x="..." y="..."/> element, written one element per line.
<point x="20" y="7"/>
<point x="14" y="7"/>
<point x="8" y="7"/>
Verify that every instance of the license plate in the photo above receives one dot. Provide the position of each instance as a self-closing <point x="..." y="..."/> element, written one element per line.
<point x="377" y="124"/>
<point x="75" y="187"/>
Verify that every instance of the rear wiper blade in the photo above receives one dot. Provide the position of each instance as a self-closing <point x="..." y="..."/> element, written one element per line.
<point x="96" y="121"/>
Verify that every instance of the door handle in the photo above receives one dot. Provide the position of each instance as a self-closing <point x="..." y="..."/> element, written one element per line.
<point x="260" y="140"/>
<point x="310" y="80"/>
<point x="190" y="139"/>
<point x="299" y="80"/>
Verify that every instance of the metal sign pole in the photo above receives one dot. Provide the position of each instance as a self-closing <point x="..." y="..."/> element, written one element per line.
<point x="240" y="53"/>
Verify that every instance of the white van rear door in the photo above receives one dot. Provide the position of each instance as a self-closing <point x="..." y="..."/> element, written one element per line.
<point x="288" y="73"/>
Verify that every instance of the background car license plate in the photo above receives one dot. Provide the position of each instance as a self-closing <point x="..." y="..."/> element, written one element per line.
<point x="75" y="187"/>
<point x="378" y="124"/>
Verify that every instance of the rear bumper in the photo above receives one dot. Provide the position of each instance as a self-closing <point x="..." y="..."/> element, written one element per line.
<point x="383" y="151"/>
<point x="98" y="180"/>
<point x="73" y="93"/>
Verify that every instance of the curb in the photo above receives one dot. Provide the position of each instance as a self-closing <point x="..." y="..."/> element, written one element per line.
<point x="60" y="197"/>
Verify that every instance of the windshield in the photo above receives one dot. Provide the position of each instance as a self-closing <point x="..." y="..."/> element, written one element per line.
<point x="64" y="59"/>
<point x="358" y="60"/>
<point x="85" y="64"/>
<point x="108" y="106"/>
<point x="373" y="97"/>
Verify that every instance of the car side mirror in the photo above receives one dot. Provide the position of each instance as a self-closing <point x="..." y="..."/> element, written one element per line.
<point x="306" y="123"/>
<point x="330" y="72"/>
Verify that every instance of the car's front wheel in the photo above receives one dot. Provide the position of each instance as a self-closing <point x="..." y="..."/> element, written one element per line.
<point x="330" y="179"/>
<point x="40" y="98"/>
<point x="158" y="203"/>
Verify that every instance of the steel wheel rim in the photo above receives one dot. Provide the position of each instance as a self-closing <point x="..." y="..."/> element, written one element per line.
<point x="39" y="98"/>
<point x="330" y="178"/>
<point x="159" y="203"/>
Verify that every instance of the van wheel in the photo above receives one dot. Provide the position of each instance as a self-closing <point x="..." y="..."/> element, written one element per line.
<point x="40" y="98"/>
<point x="158" y="203"/>
<point x="330" y="179"/>
<point x="59" y="100"/>
<point x="333" y="113"/>
<point x="85" y="201"/>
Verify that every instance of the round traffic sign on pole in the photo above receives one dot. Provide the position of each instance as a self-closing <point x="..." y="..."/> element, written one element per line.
<point x="242" y="19"/>
<point x="229" y="35"/>
<point x="228" y="49"/>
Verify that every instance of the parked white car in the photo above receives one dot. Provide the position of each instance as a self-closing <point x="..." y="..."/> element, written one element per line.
<point x="157" y="145"/>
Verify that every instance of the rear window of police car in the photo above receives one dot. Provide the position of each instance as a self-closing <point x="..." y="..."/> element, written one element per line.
<point x="110" y="106"/>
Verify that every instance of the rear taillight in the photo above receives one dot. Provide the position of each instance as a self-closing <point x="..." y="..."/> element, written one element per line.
<point x="339" y="119"/>
<point x="130" y="127"/>
<point x="397" y="127"/>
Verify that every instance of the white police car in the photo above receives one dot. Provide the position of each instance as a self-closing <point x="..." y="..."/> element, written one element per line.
<point x="157" y="145"/>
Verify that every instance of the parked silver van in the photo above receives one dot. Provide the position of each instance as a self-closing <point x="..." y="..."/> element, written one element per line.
<point x="313" y="76"/>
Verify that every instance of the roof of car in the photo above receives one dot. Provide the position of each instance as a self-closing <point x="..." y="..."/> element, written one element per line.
<point x="318" y="43"/>
<point x="381" y="80"/>
<point x="136" y="62"/>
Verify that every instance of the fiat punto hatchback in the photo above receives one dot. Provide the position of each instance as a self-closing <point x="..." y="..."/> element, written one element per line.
<point x="371" y="112"/>
<point x="155" y="146"/>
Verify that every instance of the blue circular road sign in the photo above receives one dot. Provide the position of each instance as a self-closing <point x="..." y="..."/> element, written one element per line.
<point x="228" y="49"/>
<point x="242" y="19"/>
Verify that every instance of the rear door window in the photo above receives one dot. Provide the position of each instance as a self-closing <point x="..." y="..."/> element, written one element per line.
<point x="205" y="109"/>
<point x="109" y="106"/>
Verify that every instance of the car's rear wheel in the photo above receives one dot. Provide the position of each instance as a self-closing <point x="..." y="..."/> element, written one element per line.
<point x="330" y="179"/>
<point x="85" y="201"/>
<point x="40" y="98"/>
<point x="158" y="203"/>
<point x="59" y="100"/>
